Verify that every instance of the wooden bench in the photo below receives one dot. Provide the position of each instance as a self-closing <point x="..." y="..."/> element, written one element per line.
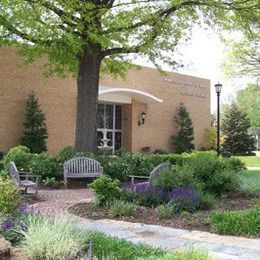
<point x="16" y="176"/>
<point x="81" y="167"/>
<point x="153" y="174"/>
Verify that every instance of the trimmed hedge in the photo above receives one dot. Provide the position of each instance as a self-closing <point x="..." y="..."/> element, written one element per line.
<point x="238" y="223"/>
<point x="201" y="164"/>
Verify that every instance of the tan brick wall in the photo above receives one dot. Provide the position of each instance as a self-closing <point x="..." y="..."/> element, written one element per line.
<point x="159" y="126"/>
<point x="57" y="99"/>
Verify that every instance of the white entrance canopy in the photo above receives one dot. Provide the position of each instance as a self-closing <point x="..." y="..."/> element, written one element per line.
<point x="125" y="95"/>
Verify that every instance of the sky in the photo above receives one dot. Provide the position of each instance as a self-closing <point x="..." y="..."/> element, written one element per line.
<point x="202" y="57"/>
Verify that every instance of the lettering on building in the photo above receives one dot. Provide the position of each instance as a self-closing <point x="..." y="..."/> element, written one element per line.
<point x="189" y="87"/>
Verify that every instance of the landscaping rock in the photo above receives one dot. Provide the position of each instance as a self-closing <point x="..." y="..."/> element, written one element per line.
<point x="5" y="248"/>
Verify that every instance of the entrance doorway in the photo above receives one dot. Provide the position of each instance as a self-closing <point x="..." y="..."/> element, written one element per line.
<point x="109" y="122"/>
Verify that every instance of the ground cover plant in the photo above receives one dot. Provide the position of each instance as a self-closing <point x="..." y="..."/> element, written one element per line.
<point x="246" y="222"/>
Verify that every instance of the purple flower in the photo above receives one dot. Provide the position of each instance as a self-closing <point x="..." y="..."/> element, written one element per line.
<point x="184" y="199"/>
<point x="149" y="195"/>
<point x="23" y="209"/>
<point x="8" y="224"/>
<point x="125" y="185"/>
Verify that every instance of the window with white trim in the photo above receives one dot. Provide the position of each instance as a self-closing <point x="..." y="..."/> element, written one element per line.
<point x="110" y="120"/>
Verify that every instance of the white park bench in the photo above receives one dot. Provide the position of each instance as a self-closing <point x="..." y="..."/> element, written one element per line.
<point x="81" y="167"/>
<point x="153" y="174"/>
<point x="28" y="180"/>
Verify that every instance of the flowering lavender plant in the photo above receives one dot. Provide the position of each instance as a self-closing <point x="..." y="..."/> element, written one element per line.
<point x="149" y="195"/>
<point x="184" y="199"/>
<point x="8" y="224"/>
<point x="12" y="226"/>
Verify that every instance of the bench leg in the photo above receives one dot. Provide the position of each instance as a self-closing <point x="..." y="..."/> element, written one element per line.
<point x="132" y="182"/>
<point x="65" y="182"/>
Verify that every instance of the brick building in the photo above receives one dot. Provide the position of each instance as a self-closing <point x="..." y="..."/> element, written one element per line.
<point x="122" y="104"/>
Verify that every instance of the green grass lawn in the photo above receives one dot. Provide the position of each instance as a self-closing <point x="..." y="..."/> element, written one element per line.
<point x="253" y="161"/>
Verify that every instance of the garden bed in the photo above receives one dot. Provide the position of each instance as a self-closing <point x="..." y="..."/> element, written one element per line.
<point x="196" y="221"/>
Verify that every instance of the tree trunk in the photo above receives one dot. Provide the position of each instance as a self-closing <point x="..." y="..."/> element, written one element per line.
<point x="87" y="101"/>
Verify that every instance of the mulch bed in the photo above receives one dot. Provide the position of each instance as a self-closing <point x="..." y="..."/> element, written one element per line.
<point x="185" y="220"/>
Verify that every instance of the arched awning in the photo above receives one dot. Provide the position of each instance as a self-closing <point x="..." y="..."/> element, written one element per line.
<point x="125" y="95"/>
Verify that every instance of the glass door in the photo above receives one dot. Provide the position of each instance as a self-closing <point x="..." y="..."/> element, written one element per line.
<point x="110" y="119"/>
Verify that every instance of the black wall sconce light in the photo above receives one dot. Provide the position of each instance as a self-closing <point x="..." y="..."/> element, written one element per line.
<point x="142" y="118"/>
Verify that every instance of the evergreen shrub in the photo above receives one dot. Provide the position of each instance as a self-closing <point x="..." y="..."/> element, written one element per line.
<point x="35" y="129"/>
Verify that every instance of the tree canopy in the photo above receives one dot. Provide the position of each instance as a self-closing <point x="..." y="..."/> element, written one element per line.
<point x="244" y="53"/>
<point x="62" y="30"/>
<point x="84" y="37"/>
<point x="248" y="100"/>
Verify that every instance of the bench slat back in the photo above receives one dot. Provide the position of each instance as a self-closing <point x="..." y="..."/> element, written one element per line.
<point x="82" y="167"/>
<point x="14" y="173"/>
<point x="158" y="169"/>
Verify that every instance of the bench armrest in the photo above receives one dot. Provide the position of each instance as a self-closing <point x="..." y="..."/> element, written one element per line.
<point x="140" y="177"/>
<point x="30" y="176"/>
<point x="133" y="177"/>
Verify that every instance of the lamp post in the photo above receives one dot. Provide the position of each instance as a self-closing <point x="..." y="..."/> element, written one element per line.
<point x="218" y="87"/>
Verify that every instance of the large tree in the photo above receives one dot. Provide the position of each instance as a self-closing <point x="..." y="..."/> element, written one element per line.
<point x="248" y="100"/>
<point x="78" y="36"/>
<point x="244" y="52"/>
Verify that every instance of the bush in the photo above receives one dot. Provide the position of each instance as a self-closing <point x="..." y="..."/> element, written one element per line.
<point x="44" y="165"/>
<point x="9" y="197"/>
<point x="238" y="223"/>
<point x="149" y="195"/>
<point x="128" y="194"/>
<point x="175" y="178"/>
<point x="165" y="211"/>
<point x="211" y="172"/>
<point x="234" y="164"/>
<point x="208" y="200"/>
<point x="128" y="164"/>
<point x="4" y="174"/>
<point x="49" y="182"/>
<point x="184" y="200"/>
<point x="20" y="155"/>
<point x="52" y="238"/>
<point x="2" y="154"/>
<point x="106" y="190"/>
<point x="66" y="154"/>
<point x="223" y="181"/>
<point x="121" y="208"/>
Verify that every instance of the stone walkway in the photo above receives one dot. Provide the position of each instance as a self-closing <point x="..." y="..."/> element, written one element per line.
<point x="220" y="247"/>
<point x="58" y="201"/>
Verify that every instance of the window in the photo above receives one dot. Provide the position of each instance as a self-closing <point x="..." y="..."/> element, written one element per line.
<point x="110" y="120"/>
